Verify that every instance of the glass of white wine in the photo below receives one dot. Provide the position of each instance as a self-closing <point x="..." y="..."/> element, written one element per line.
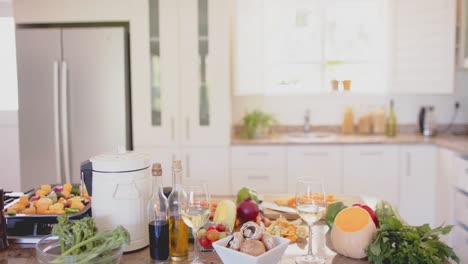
<point x="195" y="209"/>
<point x="310" y="205"/>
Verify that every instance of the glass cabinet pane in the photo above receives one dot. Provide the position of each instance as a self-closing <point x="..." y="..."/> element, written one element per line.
<point x="155" y="63"/>
<point x="204" y="104"/>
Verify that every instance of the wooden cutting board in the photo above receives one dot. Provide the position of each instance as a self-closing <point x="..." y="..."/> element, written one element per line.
<point x="348" y="200"/>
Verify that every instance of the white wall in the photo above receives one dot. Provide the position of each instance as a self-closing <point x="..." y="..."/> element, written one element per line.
<point x="9" y="142"/>
<point x="326" y="109"/>
<point x="9" y="151"/>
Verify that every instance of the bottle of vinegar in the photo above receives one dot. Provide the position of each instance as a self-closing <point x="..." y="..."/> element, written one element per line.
<point x="392" y="127"/>
<point x="158" y="226"/>
<point x="178" y="230"/>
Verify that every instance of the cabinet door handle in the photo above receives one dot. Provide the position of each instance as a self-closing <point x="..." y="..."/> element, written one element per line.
<point x="56" y="94"/>
<point x="258" y="177"/>
<point x="187" y="164"/>
<point x="371" y="153"/>
<point x="257" y="153"/>
<point x="172" y="128"/>
<point x="64" y="120"/>
<point x="466" y="170"/>
<point x="187" y="128"/>
<point x="408" y="165"/>
<point x="315" y="154"/>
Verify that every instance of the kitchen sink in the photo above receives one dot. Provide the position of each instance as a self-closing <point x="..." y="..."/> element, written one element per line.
<point x="317" y="135"/>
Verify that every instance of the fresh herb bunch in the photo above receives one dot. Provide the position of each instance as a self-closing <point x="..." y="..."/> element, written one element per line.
<point x="396" y="242"/>
<point x="256" y="120"/>
<point x="79" y="237"/>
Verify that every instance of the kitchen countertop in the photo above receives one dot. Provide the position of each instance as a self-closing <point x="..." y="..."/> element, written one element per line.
<point x="452" y="142"/>
<point x="25" y="253"/>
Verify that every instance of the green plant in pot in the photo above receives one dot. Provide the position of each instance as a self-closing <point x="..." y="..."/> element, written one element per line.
<point x="256" y="124"/>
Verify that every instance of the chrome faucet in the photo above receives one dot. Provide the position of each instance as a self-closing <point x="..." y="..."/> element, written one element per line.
<point x="307" y="121"/>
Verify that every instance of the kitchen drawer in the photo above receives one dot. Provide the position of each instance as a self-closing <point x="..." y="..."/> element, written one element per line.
<point x="258" y="157"/>
<point x="461" y="207"/>
<point x="461" y="173"/>
<point x="265" y="181"/>
<point x="315" y="161"/>
<point x="460" y="243"/>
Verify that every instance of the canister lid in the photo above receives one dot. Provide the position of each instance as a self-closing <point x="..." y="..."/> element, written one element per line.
<point x="120" y="161"/>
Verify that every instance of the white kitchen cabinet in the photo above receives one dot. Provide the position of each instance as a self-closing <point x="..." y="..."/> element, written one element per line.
<point x="445" y="195"/>
<point x="418" y="175"/>
<point x="461" y="205"/>
<point x="204" y="72"/>
<point x="263" y="180"/>
<point x="461" y="173"/>
<point x="156" y="119"/>
<point x="260" y="167"/>
<point x="423" y="48"/>
<point x="371" y="170"/>
<point x="208" y="165"/>
<point x="165" y="156"/>
<point x="461" y="242"/>
<point x="462" y="35"/>
<point x="187" y="102"/>
<point x="315" y="161"/>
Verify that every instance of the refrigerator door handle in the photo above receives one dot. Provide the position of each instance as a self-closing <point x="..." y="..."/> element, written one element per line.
<point x="64" y="120"/>
<point x="58" y="166"/>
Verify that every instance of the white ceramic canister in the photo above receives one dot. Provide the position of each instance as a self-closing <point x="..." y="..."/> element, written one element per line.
<point x="121" y="186"/>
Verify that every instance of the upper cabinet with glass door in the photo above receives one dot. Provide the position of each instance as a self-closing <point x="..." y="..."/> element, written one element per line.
<point x="187" y="99"/>
<point x="156" y="114"/>
<point x="204" y="72"/>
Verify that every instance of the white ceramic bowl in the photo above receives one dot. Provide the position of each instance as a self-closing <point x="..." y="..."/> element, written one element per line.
<point x="229" y="256"/>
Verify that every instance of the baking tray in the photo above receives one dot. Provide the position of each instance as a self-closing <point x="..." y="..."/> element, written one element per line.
<point x="23" y="225"/>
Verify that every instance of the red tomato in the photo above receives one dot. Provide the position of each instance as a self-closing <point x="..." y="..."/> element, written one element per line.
<point x="211" y="228"/>
<point x="204" y="242"/>
<point x="221" y="227"/>
<point x="212" y="235"/>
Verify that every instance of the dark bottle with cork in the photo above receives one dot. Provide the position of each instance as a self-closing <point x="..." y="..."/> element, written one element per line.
<point x="3" y="226"/>
<point x="158" y="227"/>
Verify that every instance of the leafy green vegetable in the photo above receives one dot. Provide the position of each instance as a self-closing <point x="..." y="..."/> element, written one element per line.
<point x="71" y="210"/>
<point x="396" y="242"/>
<point x="81" y="239"/>
<point x="332" y="210"/>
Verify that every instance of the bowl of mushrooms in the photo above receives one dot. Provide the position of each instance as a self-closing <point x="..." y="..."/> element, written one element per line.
<point x="251" y="245"/>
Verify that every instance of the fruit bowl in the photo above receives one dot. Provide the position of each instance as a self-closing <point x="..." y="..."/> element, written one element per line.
<point x="210" y="233"/>
<point x="48" y="251"/>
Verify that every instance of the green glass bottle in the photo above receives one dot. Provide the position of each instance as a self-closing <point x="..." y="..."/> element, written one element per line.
<point x="391" y="122"/>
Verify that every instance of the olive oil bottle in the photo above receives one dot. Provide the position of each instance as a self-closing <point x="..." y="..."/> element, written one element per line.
<point x="392" y="126"/>
<point x="178" y="230"/>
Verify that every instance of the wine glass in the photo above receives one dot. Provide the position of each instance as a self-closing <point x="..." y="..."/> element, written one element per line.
<point x="310" y="205"/>
<point x="195" y="211"/>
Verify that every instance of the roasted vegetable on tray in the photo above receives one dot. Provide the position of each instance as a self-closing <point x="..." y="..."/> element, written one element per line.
<point x="61" y="199"/>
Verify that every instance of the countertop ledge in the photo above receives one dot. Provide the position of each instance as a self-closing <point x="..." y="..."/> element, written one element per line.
<point x="452" y="142"/>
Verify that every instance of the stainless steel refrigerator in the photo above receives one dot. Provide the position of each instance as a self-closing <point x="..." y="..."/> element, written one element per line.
<point x="74" y="99"/>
